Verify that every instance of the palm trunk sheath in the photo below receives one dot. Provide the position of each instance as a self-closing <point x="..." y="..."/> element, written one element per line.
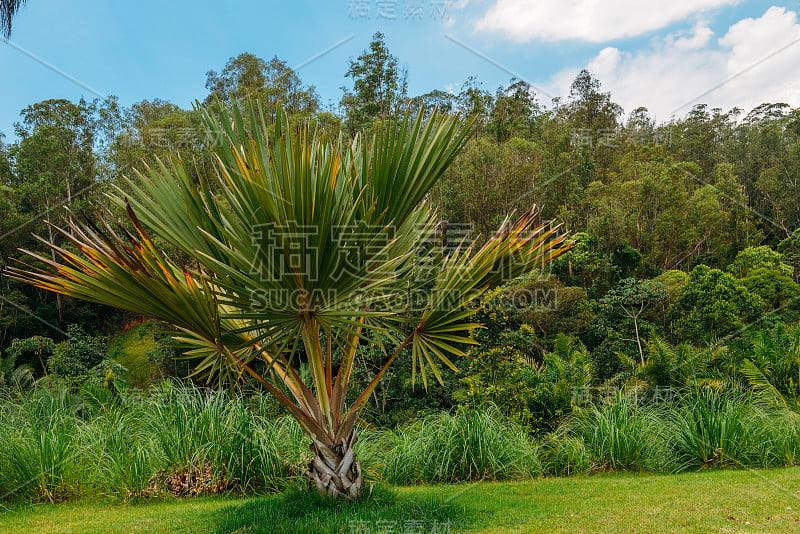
<point x="334" y="470"/>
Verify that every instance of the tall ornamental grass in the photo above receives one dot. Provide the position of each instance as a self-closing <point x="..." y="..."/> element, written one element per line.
<point x="467" y="445"/>
<point x="37" y="453"/>
<point x="58" y="445"/>
<point x="619" y="436"/>
<point x="712" y="430"/>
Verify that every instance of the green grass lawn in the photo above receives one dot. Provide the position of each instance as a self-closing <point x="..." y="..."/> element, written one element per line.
<point x="720" y="501"/>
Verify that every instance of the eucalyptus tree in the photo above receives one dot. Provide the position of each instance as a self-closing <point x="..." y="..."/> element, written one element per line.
<point x="379" y="85"/>
<point x="303" y="248"/>
<point x="271" y="82"/>
<point x="54" y="161"/>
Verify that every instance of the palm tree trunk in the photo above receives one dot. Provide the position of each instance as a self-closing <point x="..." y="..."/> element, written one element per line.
<point x="334" y="471"/>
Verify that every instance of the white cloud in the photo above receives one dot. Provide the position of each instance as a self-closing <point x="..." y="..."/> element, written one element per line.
<point x="588" y="20"/>
<point x="675" y="72"/>
<point x="606" y="61"/>
<point x="700" y="37"/>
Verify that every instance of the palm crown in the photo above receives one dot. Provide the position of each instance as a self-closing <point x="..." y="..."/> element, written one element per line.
<point x="301" y="245"/>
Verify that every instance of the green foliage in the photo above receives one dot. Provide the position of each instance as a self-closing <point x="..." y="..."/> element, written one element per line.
<point x="191" y="428"/>
<point x="585" y="265"/>
<point x="762" y="271"/>
<point x="514" y="112"/>
<point x="378" y="85"/>
<point x="790" y="248"/>
<point x="122" y="445"/>
<point x="55" y="160"/>
<point x="673" y="282"/>
<point x="611" y="354"/>
<point x="73" y="358"/>
<point x="674" y="368"/>
<point x="703" y="429"/>
<point x="712" y="304"/>
<point x="273" y="82"/>
<point x="493" y="313"/>
<point x="98" y="442"/>
<point x="126" y="456"/>
<point x="164" y="357"/>
<point x="503" y="377"/>
<point x="754" y="258"/>
<point x="542" y="304"/>
<point x="565" y="455"/>
<point x="398" y="400"/>
<point x="14" y="376"/>
<point x="534" y="391"/>
<point x="34" y="351"/>
<point x="589" y="106"/>
<point x="631" y="297"/>
<point x="131" y="348"/>
<point x="776" y="288"/>
<point x="61" y="444"/>
<point x="621" y="309"/>
<point x="485" y="182"/>
<point x="768" y="364"/>
<point x="570" y="370"/>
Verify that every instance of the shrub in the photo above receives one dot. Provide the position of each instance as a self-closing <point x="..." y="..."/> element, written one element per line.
<point x="501" y="376"/>
<point x="57" y="444"/>
<point x="72" y="359"/>
<point x="188" y="441"/>
<point x="534" y="394"/>
<point x="33" y="351"/>
<point x="13" y="376"/>
<point x="713" y="303"/>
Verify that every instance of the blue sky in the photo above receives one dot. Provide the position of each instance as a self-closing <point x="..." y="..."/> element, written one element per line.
<point x="657" y="57"/>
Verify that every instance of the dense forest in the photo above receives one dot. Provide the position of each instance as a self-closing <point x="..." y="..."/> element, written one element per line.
<point x="687" y="233"/>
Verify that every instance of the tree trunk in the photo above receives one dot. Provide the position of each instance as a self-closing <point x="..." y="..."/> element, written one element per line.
<point x="638" y="339"/>
<point x="334" y="471"/>
<point x="54" y="257"/>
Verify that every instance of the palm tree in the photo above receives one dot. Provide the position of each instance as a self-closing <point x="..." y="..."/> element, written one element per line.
<point x="9" y="8"/>
<point x="302" y="247"/>
<point x="12" y="375"/>
<point x="772" y="366"/>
